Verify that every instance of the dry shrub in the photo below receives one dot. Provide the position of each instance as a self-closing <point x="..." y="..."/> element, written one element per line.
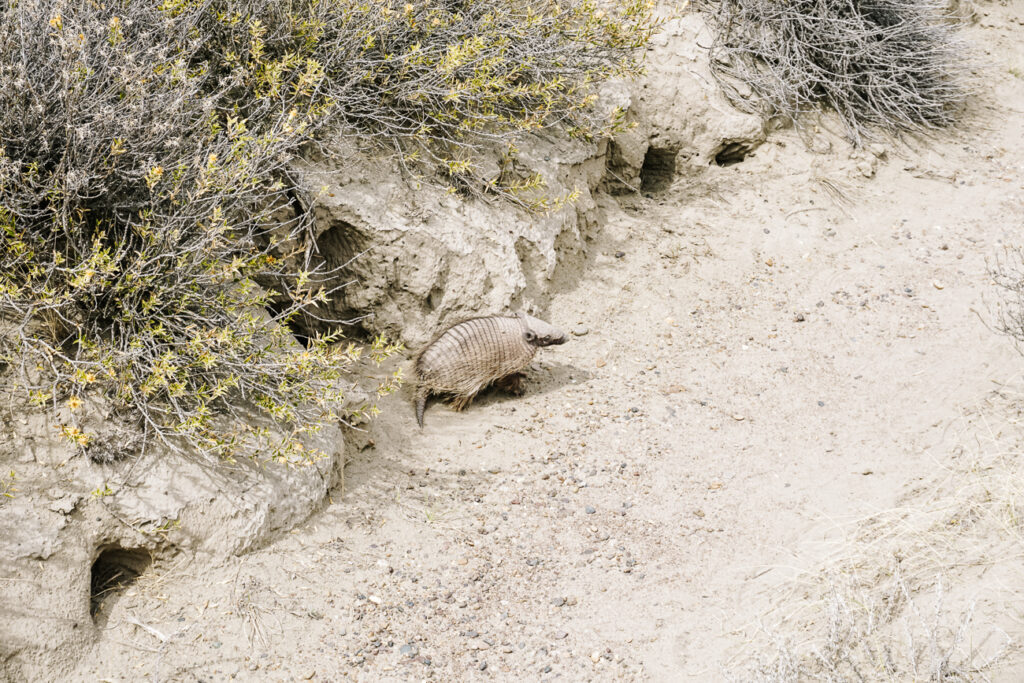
<point x="895" y="66"/>
<point x="440" y="82"/>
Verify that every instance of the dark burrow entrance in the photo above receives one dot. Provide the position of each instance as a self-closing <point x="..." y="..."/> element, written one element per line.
<point x="333" y="263"/>
<point x="659" y="169"/>
<point x="113" y="571"/>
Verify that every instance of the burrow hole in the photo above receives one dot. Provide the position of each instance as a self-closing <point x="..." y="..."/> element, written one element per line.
<point x="732" y="152"/>
<point x="659" y="169"/>
<point x="113" y="571"/>
<point x="294" y="325"/>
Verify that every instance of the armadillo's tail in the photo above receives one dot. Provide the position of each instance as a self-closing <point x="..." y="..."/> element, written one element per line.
<point x="421" y="404"/>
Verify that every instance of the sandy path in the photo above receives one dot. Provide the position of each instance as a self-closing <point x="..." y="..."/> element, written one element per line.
<point x="761" y="367"/>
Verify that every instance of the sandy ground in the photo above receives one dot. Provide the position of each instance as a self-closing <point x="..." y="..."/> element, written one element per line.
<point x="754" y="367"/>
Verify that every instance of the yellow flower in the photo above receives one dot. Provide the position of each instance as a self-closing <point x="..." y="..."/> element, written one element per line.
<point x="153" y="176"/>
<point x="74" y="403"/>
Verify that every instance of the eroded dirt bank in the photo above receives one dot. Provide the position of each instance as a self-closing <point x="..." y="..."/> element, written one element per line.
<point x="754" y="366"/>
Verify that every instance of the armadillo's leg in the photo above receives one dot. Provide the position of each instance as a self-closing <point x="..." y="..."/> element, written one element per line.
<point x="421" y="404"/>
<point x="513" y="383"/>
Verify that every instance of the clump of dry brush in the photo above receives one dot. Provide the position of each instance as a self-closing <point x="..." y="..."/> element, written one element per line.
<point x="894" y="66"/>
<point x="144" y="165"/>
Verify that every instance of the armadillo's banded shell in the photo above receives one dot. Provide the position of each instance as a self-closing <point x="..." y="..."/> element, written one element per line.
<point x="474" y="353"/>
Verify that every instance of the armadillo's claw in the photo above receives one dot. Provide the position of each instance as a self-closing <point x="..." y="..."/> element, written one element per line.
<point x="421" y="405"/>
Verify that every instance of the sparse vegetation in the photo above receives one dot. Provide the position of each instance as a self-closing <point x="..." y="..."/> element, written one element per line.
<point x="1007" y="272"/>
<point x="893" y="66"/>
<point x="7" y="487"/>
<point x="918" y="591"/>
<point x="146" y="200"/>
<point x="879" y="627"/>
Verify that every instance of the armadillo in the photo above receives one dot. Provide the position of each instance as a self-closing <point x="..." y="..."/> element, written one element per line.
<point x="478" y="352"/>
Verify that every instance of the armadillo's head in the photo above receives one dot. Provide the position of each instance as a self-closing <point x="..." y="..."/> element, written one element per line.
<point x="539" y="333"/>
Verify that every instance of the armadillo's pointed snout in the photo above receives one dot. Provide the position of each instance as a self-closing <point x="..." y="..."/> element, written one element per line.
<point x="552" y="337"/>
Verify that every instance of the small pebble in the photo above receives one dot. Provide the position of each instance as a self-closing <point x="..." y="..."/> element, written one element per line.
<point x="581" y="330"/>
<point x="590" y="510"/>
<point x="799" y="318"/>
<point x="558" y="602"/>
<point x="620" y="254"/>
